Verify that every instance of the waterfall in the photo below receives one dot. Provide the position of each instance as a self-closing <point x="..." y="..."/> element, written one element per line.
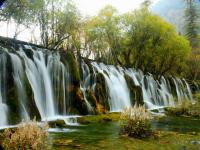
<point x="3" y="106"/>
<point x="60" y="79"/>
<point x="182" y="90"/>
<point x="39" y="79"/>
<point x="18" y="76"/>
<point x="119" y="95"/>
<point x="85" y="85"/>
<point x="156" y="93"/>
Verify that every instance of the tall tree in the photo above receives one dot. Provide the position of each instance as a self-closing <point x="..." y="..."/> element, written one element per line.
<point x="191" y="22"/>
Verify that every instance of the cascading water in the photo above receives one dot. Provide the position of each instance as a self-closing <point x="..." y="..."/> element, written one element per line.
<point x="3" y="106"/>
<point x="48" y="82"/>
<point x="18" y="75"/>
<point x="39" y="79"/>
<point x="118" y="90"/>
<point x="156" y="94"/>
<point x="85" y="85"/>
<point x="182" y="90"/>
<point x="60" y="79"/>
<point x="43" y="72"/>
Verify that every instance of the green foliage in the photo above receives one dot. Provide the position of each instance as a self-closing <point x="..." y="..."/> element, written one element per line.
<point x="22" y="11"/>
<point x="27" y="136"/>
<point x="58" y="21"/>
<point x="151" y="44"/>
<point x="135" y="122"/>
<point x="102" y="34"/>
<point x="65" y="26"/>
<point x="137" y="39"/>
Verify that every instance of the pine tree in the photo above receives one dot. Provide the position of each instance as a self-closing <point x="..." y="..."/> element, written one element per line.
<point x="191" y="22"/>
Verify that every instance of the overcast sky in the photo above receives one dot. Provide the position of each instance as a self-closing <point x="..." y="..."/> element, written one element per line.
<point x="86" y="7"/>
<point x="91" y="7"/>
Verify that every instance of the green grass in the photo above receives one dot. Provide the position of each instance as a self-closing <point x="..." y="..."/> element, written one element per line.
<point x="99" y="118"/>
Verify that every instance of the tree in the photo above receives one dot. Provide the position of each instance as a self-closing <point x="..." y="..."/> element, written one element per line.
<point x="102" y="34"/>
<point x="137" y="39"/>
<point x="59" y="25"/>
<point x="151" y="44"/>
<point x="58" y="22"/>
<point x="20" y="12"/>
<point x="191" y="22"/>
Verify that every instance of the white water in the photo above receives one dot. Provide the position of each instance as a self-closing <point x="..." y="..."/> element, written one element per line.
<point x="49" y="80"/>
<point x="85" y="84"/>
<point x="71" y="121"/>
<point x="60" y="79"/>
<point x="119" y="95"/>
<point x="39" y="79"/>
<point x="47" y="76"/>
<point x="18" y="75"/>
<point x="156" y="94"/>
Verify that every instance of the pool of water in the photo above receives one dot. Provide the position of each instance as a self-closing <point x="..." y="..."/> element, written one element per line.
<point x="177" y="124"/>
<point x="106" y="135"/>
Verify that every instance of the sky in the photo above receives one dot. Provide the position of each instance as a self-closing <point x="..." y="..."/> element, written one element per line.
<point x="91" y="7"/>
<point x="86" y="7"/>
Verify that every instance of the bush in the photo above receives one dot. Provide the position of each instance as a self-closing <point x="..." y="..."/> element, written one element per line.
<point x="135" y="122"/>
<point x="27" y="136"/>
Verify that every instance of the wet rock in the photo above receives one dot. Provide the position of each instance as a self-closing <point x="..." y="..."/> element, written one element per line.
<point x="101" y="93"/>
<point x="57" y="123"/>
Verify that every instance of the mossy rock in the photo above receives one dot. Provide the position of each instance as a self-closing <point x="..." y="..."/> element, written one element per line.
<point x="101" y="93"/>
<point x="80" y="102"/>
<point x="91" y="97"/>
<point x="30" y="103"/>
<point x="68" y="58"/>
<point x="99" y="108"/>
<point x="57" y="123"/>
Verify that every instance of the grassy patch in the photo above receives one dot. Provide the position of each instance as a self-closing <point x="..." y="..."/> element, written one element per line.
<point x="185" y="109"/>
<point x="99" y="118"/>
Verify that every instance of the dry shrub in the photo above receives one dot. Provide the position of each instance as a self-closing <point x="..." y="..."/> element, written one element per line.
<point x="135" y="122"/>
<point x="27" y="136"/>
